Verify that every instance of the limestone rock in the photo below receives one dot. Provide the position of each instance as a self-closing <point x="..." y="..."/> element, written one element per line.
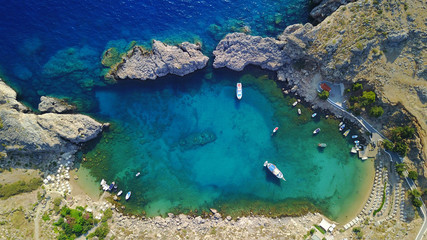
<point x="237" y="50"/>
<point x="162" y="60"/>
<point x="28" y="133"/>
<point x="76" y="128"/>
<point x="54" y="105"/>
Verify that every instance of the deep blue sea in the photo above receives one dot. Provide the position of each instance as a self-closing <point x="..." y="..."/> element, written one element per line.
<point x="55" y="47"/>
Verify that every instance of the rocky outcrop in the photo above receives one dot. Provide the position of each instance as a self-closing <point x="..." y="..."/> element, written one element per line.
<point x="326" y="8"/>
<point x="237" y="50"/>
<point x="54" y="105"/>
<point x="163" y="59"/>
<point x="40" y="136"/>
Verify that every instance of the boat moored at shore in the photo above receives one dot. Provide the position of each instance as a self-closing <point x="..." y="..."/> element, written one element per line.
<point x="128" y="195"/>
<point x="346" y="133"/>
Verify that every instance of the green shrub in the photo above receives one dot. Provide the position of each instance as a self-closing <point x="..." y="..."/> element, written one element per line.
<point x="320" y="229"/>
<point x="323" y="95"/>
<point x="74" y="222"/>
<point x="413" y="175"/>
<point x="1" y="123"/>
<point x="376" y="111"/>
<point x="107" y="215"/>
<point x="101" y="232"/>
<point x="45" y="217"/>
<point x="357" y="86"/>
<point x="312" y="231"/>
<point x="18" y="187"/>
<point x="359" y="45"/>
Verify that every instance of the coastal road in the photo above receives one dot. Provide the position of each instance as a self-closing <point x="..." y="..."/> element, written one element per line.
<point x="393" y="156"/>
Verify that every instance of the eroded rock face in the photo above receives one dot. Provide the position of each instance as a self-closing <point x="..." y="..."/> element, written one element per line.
<point x="237" y="50"/>
<point x="54" y="105"/>
<point x="162" y="60"/>
<point x="25" y="133"/>
<point x="326" y="8"/>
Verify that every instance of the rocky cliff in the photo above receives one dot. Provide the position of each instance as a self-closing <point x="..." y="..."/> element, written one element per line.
<point x="163" y="59"/>
<point x="28" y="136"/>
<point x="381" y="43"/>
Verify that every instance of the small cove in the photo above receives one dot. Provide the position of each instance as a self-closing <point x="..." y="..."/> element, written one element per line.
<point x="152" y="125"/>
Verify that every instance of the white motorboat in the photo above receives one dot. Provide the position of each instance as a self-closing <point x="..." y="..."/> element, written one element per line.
<point x="137" y="174"/>
<point x="313" y="115"/>
<point x="316" y="131"/>
<point x="119" y="193"/>
<point x="354" y="136"/>
<point x="128" y="195"/>
<point x="273" y="169"/>
<point x="239" y="91"/>
<point x="299" y="111"/>
<point x="294" y="104"/>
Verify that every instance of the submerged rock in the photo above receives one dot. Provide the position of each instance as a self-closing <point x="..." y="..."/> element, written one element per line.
<point x="163" y="59"/>
<point x="54" y="105"/>
<point x="197" y="139"/>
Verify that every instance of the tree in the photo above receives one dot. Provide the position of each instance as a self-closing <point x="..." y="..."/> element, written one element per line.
<point x="376" y="111"/>
<point x="312" y="231"/>
<point x="413" y="175"/>
<point x="401" y="148"/>
<point x="367" y="98"/>
<point x="417" y="202"/>
<point x="77" y="228"/>
<point x="323" y="95"/>
<point x="415" y="193"/>
<point x="388" y="145"/>
<point x="400" y="168"/>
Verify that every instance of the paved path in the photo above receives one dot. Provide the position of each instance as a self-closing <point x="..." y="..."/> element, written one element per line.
<point x="393" y="156"/>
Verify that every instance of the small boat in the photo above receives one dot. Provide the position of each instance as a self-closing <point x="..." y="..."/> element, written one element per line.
<point x="294" y="104"/>
<point x="128" y="195"/>
<point x="316" y="131"/>
<point x="137" y="174"/>
<point x="111" y="186"/>
<point x="342" y="127"/>
<point x="356" y="142"/>
<point x="274" y="130"/>
<point x="341" y="123"/>
<point x="239" y="90"/>
<point x="322" y="145"/>
<point x="346" y="133"/>
<point x="119" y="193"/>
<point x="313" y="115"/>
<point x="299" y="111"/>
<point x="273" y="169"/>
<point x="354" y="136"/>
<point x="353" y="150"/>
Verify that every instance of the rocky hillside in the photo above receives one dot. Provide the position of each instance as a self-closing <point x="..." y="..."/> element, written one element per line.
<point x="31" y="139"/>
<point x="381" y="43"/>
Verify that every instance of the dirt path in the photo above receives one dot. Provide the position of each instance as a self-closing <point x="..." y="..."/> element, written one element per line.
<point x="37" y="222"/>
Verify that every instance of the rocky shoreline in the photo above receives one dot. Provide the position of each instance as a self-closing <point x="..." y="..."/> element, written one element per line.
<point x="163" y="59"/>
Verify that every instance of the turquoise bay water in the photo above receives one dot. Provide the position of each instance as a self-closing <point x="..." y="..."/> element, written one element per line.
<point x="227" y="173"/>
<point x="54" y="48"/>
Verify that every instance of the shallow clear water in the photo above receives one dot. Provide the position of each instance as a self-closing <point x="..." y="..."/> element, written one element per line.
<point x="55" y="48"/>
<point x="227" y="173"/>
